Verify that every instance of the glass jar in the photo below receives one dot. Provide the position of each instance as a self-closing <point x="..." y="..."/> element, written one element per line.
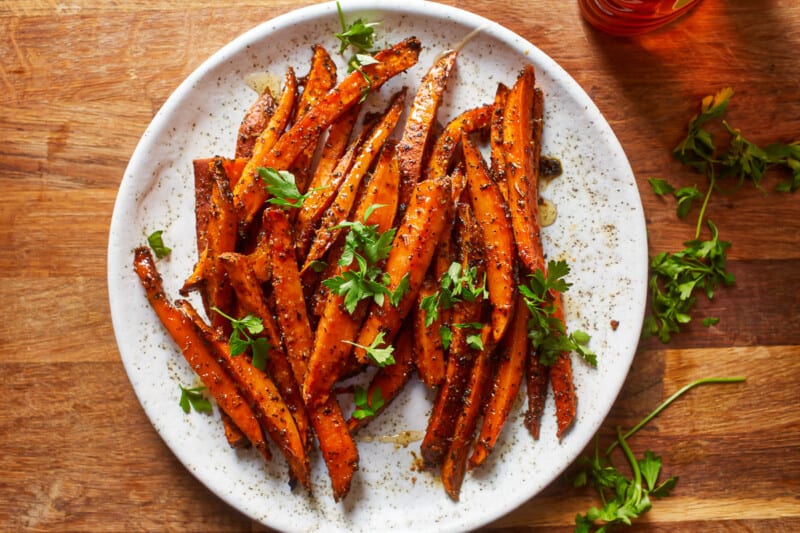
<point x="631" y="17"/>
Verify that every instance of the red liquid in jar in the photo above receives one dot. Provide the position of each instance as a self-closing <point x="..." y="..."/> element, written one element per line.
<point x="631" y="17"/>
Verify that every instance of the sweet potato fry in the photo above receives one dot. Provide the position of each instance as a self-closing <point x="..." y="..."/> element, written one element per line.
<point x="272" y="412"/>
<point x="455" y="461"/>
<point x="338" y="212"/>
<point x="336" y="444"/>
<point x="561" y="379"/>
<point x="413" y="144"/>
<point x="249" y="194"/>
<point x="447" y="142"/>
<point x="198" y="353"/>
<point x="390" y="379"/>
<point x="449" y="399"/>
<point x="233" y="434"/>
<point x="331" y="169"/>
<point x="250" y="296"/>
<point x="287" y="292"/>
<point x="537" y="375"/>
<point x="505" y="385"/>
<point x="219" y="237"/>
<point x="522" y="170"/>
<point x="254" y="122"/>
<point x="411" y="254"/>
<point x="320" y="79"/>
<point x="428" y="352"/>
<point x="337" y="327"/>
<point x="497" y="150"/>
<point x="492" y="217"/>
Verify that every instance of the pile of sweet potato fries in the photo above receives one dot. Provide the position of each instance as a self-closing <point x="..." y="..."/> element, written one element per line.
<point x="447" y="205"/>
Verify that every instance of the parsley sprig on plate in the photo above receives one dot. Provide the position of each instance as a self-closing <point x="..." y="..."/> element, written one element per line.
<point x="193" y="398"/>
<point x="365" y="245"/>
<point x="366" y="407"/>
<point x="545" y="329"/>
<point x="360" y="37"/>
<point x="243" y="336"/>
<point x="283" y="188"/>
<point x="457" y="284"/>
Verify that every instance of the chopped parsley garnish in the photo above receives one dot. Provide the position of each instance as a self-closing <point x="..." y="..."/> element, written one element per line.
<point x="367" y="247"/>
<point x="380" y="356"/>
<point x="360" y="37"/>
<point x="242" y="338"/>
<point x="281" y="185"/>
<point x="366" y="407"/>
<point x="156" y="243"/>
<point x="193" y="398"/>
<point x="546" y="331"/>
<point x="456" y="285"/>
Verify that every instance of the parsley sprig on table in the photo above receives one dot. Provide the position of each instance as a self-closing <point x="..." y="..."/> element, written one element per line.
<point x="366" y="407"/>
<point x="546" y="331"/>
<point x="360" y="37"/>
<point x="457" y="285"/>
<point x="243" y="337"/>
<point x="674" y="277"/>
<point x="367" y="247"/>
<point x="626" y="498"/>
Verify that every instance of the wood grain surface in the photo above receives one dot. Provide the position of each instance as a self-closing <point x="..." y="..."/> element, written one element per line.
<point x="79" y="82"/>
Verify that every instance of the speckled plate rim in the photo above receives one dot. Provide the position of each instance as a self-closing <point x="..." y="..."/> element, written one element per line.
<point x="600" y="230"/>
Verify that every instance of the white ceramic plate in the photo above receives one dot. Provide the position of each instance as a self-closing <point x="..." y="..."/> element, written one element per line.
<point x="600" y="230"/>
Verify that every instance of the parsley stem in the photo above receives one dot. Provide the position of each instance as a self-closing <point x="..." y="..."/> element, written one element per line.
<point x="680" y="392"/>
<point x="711" y="185"/>
<point x="637" y="473"/>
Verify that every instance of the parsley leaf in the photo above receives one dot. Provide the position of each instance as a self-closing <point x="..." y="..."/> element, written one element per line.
<point x="367" y="247"/>
<point x="661" y="187"/>
<point x="359" y="36"/>
<point x="281" y="185"/>
<point x="156" y="243"/>
<point x="474" y="340"/>
<point x="456" y="285"/>
<point x="367" y="407"/>
<point x="380" y="356"/>
<point x="242" y="338"/>
<point x="547" y="332"/>
<point x="447" y="336"/>
<point x="193" y="398"/>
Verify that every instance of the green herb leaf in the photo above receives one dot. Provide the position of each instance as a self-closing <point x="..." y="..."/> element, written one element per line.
<point x="546" y="331"/>
<point x="156" y="243"/>
<point x="447" y="336"/>
<point x="367" y="247"/>
<point x="241" y="338"/>
<point x="359" y="36"/>
<point x="193" y="398"/>
<point x="380" y="356"/>
<point x="367" y="407"/>
<point x="281" y="185"/>
<point x="661" y="187"/>
<point x="710" y="321"/>
<point x="455" y="286"/>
